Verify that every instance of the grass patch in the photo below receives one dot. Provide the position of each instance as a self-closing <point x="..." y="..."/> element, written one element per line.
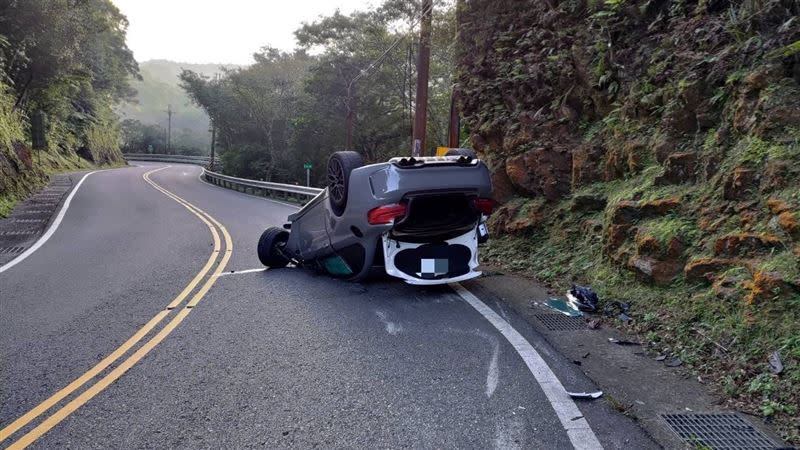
<point x="753" y="151"/>
<point x="33" y="179"/>
<point x="687" y="320"/>
<point x="785" y="263"/>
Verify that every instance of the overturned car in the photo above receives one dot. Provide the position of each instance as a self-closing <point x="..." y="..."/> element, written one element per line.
<point x="418" y="219"/>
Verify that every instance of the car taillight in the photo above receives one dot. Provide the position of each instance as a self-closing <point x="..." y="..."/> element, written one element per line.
<point x="484" y="205"/>
<point x="386" y="214"/>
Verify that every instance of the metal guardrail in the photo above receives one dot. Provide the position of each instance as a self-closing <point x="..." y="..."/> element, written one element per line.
<point x="288" y="192"/>
<point x="185" y="159"/>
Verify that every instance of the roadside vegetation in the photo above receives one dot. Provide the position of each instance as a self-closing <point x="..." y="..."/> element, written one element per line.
<point x="69" y="61"/>
<point x="291" y="108"/>
<point x="651" y="150"/>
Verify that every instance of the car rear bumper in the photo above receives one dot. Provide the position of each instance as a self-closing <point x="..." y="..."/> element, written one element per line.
<point x="444" y="262"/>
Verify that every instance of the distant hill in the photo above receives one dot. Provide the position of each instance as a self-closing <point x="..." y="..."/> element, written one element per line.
<point x="158" y="89"/>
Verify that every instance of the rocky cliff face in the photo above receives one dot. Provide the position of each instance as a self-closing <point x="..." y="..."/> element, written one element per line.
<point x="651" y="147"/>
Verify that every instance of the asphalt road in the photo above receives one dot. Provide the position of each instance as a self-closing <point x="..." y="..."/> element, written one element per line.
<point x="280" y="358"/>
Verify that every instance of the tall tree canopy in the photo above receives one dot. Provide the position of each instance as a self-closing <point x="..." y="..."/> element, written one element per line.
<point x="69" y="59"/>
<point x="290" y="108"/>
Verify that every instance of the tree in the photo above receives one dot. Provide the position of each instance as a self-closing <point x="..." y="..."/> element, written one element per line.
<point x="69" y="59"/>
<point x="290" y="108"/>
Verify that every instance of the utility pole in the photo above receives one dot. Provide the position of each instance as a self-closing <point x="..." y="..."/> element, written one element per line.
<point x="351" y="115"/>
<point x="454" y="126"/>
<point x="169" y="128"/>
<point x="423" y="66"/>
<point x="213" y="140"/>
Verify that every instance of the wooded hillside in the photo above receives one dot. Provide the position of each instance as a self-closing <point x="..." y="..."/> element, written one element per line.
<point x="68" y="61"/>
<point x="144" y="116"/>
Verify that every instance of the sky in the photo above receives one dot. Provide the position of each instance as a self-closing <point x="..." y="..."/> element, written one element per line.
<point x="220" y="31"/>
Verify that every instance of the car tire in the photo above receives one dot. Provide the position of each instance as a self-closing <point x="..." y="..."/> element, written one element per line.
<point x="268" y="247"/>
<point x="462" y="152"/>
<point x="340" y="165"/>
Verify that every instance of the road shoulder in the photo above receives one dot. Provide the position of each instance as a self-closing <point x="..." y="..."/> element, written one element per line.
<point x="32" y="217"/>
<point x="635" y="382"/>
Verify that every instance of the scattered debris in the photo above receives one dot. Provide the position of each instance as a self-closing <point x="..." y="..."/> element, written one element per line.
<point x="674" y="362"/>
<point x="619" y="310"/>
<point x="563" y="307"/>
<point x="775" y="363"/>
<point x="576" y="362"/>
<point x="594" y="323"/>
<point x="586" y="355"/>
<point x="583" y="298"/>
<point x="576" y="418"/>
<point x="622" y="342"/>
<point x="719" y="346"/>
<point x="661" y="357"/>
<point x="586" y="395"/>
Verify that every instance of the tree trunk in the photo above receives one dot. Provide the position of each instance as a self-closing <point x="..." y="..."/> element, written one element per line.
<point x="22" y="92"/>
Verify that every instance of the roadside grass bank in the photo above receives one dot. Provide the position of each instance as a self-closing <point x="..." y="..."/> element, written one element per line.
<point x="15" y="189"/>
<point x="726" y="342"/>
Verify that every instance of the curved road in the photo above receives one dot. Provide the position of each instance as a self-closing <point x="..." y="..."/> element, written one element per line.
<point x="117" y="333"/>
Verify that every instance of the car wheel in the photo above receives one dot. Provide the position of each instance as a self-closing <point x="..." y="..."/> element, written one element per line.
<point x="340" y="165"/>
<point x="461" y="152"/>
<point x="269" y="245"/>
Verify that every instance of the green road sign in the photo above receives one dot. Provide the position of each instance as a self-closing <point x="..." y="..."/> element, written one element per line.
<point x="307" y="166"/>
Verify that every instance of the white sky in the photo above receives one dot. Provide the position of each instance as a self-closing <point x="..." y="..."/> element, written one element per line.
<point x="220" y="31"/>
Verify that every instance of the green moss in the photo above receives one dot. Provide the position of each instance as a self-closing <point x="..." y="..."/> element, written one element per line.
<point x="11" y="122"/>
<point x="785" y="263"/>
<point x="786" y="52"/>
<point x="753" y="151"/>
<point x="665" y="228"/>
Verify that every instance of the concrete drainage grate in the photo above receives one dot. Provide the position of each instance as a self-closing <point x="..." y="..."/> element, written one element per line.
<point x="18" y="232"/>
<point x="560" y="322"/>
<point x="717" y="431"/>
<point x="11" y="250"/>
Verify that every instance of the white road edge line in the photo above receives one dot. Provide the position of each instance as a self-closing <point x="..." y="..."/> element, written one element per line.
<point x="239" y="272"/>
<point x="576" y="426"/>
<point x="50" y="231"/>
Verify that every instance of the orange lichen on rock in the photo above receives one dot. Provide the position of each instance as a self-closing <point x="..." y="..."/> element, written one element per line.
<point x="705" y="268"/>
<point x="788" y="221"/>
<point x="763" y="286"/>
<point x="777" y="206"/>
<point x="745" y="243"/>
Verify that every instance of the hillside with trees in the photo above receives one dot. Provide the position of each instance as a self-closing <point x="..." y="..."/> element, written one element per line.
<point x="66" y="63"/>
<point x="291" y="108"/>
<point x="144" y="117"/>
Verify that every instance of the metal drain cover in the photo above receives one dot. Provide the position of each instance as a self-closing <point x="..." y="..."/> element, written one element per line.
<point x="560" y="322"/>
<point x="717" y="431"/>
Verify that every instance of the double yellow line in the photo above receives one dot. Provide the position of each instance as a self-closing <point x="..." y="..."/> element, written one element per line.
<point x="144" y="349"/>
